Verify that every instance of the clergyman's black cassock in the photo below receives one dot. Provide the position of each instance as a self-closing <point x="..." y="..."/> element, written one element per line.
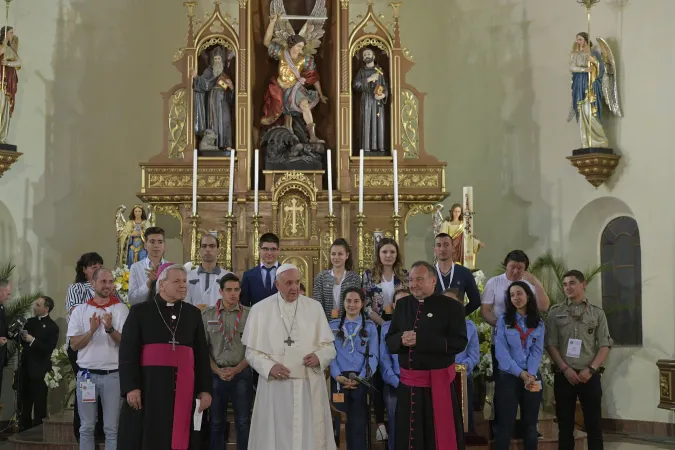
<point x="440" y="328"/>
<point x="151" y="427"/>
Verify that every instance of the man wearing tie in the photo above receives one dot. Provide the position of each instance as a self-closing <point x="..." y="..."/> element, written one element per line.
<point x="203" y="287"/>
<point x="258" y="283"/>
<point x="40" y="335"/>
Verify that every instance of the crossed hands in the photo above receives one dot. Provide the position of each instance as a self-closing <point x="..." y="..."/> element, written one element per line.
<point x="227" y="373"/>
<point x="280" y="372"/>
<point x="577" y="378"/>
<point x="409" y="338"/>
<point x="346" y="382"/>
<point x="530" y="381"/>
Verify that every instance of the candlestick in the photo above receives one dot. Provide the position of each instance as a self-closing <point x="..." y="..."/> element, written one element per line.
<point x="255" y="185"/>
<point x="255" y="237"/>
<point x="361" y="182"/>
<point x="229" y="224"/>
<point x="331" y="229"/>
<point x="231" y="190"/>
<point x="360" y="218"/>
<point x="194" y="183"/>
<point x="329" y="173"/>
<point x="467" y="201"/>
<point x="194" y="226"/>
<point x="397" y="225"/>
<point x="395" y="154"/>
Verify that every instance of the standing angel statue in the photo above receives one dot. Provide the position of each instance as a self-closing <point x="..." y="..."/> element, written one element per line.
<point x="597" y="69"/>
<point x="288" y="93"/>
<point x="130" y="234"/>
<point x="11" y="63"/>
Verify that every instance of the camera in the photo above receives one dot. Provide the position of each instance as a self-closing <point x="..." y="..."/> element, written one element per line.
<point x="16" y="327"/>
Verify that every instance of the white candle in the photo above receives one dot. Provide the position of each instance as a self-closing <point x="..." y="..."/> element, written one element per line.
<point x="255" y="182"/>
<point x="194" y="183"/>
<point x="467" y="194"/>
<point x="361" y="181"/>
<point x="467" y="205"/>
<point x="329" y="172"/>
<point x="229" y="200"/>
<point x="395" y="154"/>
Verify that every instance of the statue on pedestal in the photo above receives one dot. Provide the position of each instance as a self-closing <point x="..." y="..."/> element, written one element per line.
<point x="214" y="97"/>
<point x="597" y="70"/>
<point x="130" y="234"/>
<point x="11" y="63"/>
<point x="372" y="84"/>
<point x="289" y="93"/>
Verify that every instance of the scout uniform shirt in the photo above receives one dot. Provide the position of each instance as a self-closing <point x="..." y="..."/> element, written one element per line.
<point x="223" y="333"/>
<point x="577" y="331"/>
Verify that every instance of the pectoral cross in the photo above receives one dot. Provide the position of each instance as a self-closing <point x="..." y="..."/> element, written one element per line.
<point x="294" y="210"/>
<point x="289" y="341"/>
<point x="173" y="343"/>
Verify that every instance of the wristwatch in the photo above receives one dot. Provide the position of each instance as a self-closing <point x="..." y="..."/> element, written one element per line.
<point x="110" y="330"/>
<point x="593" y="370"/>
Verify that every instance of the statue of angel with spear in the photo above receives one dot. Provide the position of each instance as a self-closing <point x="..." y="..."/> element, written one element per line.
<point x="289" y="93"/>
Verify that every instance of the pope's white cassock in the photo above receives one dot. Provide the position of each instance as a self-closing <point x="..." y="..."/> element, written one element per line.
<point x="291" y="414"/>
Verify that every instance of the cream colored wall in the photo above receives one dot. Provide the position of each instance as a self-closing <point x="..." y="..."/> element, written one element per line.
<point x="89" y="109"/>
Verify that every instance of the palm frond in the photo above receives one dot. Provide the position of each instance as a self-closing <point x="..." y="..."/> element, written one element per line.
<point x="6" y="271"/>
<point x="18" y="307"/>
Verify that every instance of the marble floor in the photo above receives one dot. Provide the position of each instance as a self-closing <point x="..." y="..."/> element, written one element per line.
<point x="621" y="443"/>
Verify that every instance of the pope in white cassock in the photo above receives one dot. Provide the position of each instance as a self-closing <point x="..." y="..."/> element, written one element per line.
<point x="289" y="343"/>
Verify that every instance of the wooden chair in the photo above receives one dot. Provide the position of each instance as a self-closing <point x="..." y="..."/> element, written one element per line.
<point x="337" y="414"/>
<point x="463" y="395"/>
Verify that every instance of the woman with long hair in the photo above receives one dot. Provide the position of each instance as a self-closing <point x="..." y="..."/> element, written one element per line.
<point x="454" y="227"/>
<point x="331" y="284"/>
<point x="356" y="344"/>
<point x="519" y="348"/>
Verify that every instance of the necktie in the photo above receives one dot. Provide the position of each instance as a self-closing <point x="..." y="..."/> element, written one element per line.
<point x="268" y="277"/>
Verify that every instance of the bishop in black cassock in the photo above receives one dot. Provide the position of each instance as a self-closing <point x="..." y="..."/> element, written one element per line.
<point x="164" y="354"/>
<point x="426" y="332"/>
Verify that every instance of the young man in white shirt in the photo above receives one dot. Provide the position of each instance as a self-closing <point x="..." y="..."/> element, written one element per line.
<point x="144" y="272"/>
<point x="203" y="281"/>
<point x="94" y="330"/>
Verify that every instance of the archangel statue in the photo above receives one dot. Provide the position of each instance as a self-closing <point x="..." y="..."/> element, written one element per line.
<point x="289" y="92"/>
<point x="372" y="84"/>
<point x="11" y="63"/>
<point x="593" y="83"/>
<point x="130" y="234"/>
<point x="214" y="97"/>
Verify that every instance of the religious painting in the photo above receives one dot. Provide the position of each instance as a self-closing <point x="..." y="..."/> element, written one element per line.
<point x="377" y="237"/>
<point x="371" y="100"/>
<point x="213" y="83"/>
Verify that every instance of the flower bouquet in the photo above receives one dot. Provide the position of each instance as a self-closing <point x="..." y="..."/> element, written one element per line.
<point x="61" y="372"/>
<point x="121" y="277"/>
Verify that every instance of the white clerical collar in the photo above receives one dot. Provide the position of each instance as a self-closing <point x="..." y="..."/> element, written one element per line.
<point x="42" y="317"/>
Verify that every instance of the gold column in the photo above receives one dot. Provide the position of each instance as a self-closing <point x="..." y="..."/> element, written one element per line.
<point x="256" y="237"/>
<point x="229" y="224"/>
<point x="194" y="225"/>
<point x="360" y="219"/>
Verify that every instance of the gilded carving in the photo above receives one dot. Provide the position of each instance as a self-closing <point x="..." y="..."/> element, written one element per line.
<point x="297" y="181"/>
<point x="370" y="42"/>
<point x="243" y="3"/>
<point x="217" y="27"/>
<point x="415" y="209"/>
<point x="177" y="124"/>
<point x="664" y="382"/>
<point x="294" y="217"/>
<point x="216" y="41"/>
<point x="179" y="54"/>
<point x="410" y="124"/>
<point x="344" y="77"/>
<point x="172" y="210"/>
<point x="344" y="4"/>
<point x="221" y="256"/>
<point x="417" y="178"/>
<point x="408" y="55"/>
<point x="325" y="250"/>
<point x="164" y="181"/>
<point x="368" y="248"/>
<point x="315" y="233"/>
<point x="242" y="70"/>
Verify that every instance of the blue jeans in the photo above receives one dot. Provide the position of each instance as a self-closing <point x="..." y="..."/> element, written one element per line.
<point x="355" y="406"/>
<point x="108" y="390"/>
<point x="240" y="391"/>
<point x="390" y="403"/>
<point x="512" y="393"/>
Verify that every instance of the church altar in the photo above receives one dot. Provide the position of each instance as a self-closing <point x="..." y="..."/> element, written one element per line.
<point x="292" y="202"/>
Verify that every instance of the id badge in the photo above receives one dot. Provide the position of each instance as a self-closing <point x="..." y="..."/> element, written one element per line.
<point x="335" y="314"/>
<point x="88" y="390"/>
<point x="338" y="397"/>
<point x="574" y="348"/>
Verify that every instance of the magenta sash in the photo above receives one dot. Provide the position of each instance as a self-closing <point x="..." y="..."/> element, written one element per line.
<point x="440" y="382"/>
<point x="182" y="358"/>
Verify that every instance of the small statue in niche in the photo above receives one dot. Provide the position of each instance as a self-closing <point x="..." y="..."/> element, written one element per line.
<point x="209" y="141"/>
<point x="372" y="84"/>
<point x="214" y="97"/>
<point x="11" y="63"/>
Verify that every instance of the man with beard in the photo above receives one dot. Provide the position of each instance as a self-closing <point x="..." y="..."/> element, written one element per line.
<point x="95" y="331"/>
<point x="203" y="287"/>
<point x="164" y="367"/>
<point x="289" y="343"/>
<point x="372" y="85"/>
<point x="426" y="333"/>
<point x="454" y="276"/>
<point x="214" y="95"/>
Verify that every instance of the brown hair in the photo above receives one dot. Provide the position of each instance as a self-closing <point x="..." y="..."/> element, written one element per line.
<point x="378" y="267"/>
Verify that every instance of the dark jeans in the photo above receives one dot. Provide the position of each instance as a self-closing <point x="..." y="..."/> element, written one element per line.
<point x="590" y="397"/>
<point x="356" y="408"/>
<point x="98" y="432"/>
<point x="495" y="397"/>
<point x="240" y="391"/>
<point x="512" y="393"/>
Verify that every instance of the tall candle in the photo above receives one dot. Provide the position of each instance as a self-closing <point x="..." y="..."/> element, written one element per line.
<point x="329" y="172"/>
<point x="229" y="200"/>
<point x="467" y="207"/>
<point x="194" y="183"/>
<point x="395" y="154"/>
<point x="255" y="182"/>
<point x="361" y="181"/>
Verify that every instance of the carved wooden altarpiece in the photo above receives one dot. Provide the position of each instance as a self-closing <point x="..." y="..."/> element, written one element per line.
<point x="293" y="204"/>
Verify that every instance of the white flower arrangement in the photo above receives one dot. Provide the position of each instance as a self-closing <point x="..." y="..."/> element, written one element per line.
<point x="60" y="368"/>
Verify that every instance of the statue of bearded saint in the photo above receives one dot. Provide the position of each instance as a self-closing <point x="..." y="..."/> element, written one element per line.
<point x="214" y="97"/>
<point x="11" y="63"/>
<point x="372" y="85"/>
<point x="288" y="93"/>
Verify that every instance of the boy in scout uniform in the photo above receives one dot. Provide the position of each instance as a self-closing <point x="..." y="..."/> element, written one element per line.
<point x="232" y="377"/>
<point x="577" y="338"/>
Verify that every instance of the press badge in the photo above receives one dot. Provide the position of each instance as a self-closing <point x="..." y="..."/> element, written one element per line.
<point x="88" y="390"/>
<point x="574" y="348"/>
<point x="338" y="397"/>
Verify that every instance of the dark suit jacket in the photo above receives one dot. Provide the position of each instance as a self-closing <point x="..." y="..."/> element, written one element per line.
<point x="3" y="333"/>
<point x="463" y="280"/>
<point x="36" y="357"/>
<point x="252" y="288"/>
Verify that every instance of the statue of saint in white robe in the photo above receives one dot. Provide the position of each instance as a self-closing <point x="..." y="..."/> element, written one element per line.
<point x="291" y="414"/>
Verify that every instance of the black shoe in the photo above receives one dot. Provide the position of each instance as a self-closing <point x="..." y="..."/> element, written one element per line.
<point x="540" y="436"/>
